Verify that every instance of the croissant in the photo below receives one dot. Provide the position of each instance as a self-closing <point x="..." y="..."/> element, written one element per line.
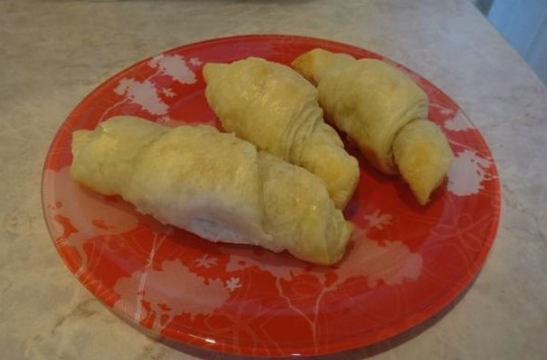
<point x="276" y="109"/>
<point x="211" y="184"/>
<point x="375" y="103"/>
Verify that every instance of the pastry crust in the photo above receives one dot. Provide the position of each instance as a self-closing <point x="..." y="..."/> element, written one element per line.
<point x="273" y="107"/>
<point x="212" y="184"/>
<point x="378" y="106"/>
<point x="423" y="157"/>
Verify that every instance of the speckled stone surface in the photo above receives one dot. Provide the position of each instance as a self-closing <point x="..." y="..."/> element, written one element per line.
<point x="55" y="52"/>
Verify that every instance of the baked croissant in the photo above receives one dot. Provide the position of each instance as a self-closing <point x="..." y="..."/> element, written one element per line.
<point x="211" y="184"/>
<point x="276" y="109"/>
<point x="374" y="103"/>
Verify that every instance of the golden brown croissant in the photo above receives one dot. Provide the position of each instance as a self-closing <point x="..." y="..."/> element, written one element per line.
<point x="273" y="107"/>
<point x="212" y="184"/>
<point x="374" y="103"/>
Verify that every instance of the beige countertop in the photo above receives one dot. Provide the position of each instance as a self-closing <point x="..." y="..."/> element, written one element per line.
<point x="55" y="52"/>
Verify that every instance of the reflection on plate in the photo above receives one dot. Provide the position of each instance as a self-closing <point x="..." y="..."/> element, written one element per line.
<point x="405" y="262"/>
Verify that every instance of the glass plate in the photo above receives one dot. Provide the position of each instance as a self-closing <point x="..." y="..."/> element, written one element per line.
<point x="404" y="264"/>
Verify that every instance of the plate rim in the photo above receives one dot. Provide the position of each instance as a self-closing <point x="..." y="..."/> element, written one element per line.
<point x="442" y="302"/>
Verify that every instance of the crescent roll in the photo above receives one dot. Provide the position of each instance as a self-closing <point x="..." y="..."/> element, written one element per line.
<point x="374" y="103"/>
<point x="273" y="107"/>
<point x="212" y="184"/>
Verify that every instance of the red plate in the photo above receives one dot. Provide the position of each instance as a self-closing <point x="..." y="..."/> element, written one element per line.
<point x="405" y="262"/>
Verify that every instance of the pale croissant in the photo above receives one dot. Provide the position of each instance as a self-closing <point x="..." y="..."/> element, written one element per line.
<point x="273" y="107"/>
<point x="374" y="103"/>
<point x="212" y="184"/>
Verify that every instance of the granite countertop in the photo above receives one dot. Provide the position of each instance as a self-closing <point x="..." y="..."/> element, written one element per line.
<point x="55" y="52"/>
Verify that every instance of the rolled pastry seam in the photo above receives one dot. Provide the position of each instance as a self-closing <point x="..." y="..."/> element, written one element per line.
<point x="378" y="106"/>
<point x="366" y="98"/>
<point x="423" y="157"/>
<point x="212" y="184"/>
<point x="315" y="63"/>
<point x="273" y="107"/>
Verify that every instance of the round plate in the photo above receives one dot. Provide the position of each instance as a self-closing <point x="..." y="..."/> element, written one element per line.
<point x="405" y="262"/>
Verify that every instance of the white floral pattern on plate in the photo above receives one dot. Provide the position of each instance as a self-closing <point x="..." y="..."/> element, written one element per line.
<point x="404" y="263"/>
